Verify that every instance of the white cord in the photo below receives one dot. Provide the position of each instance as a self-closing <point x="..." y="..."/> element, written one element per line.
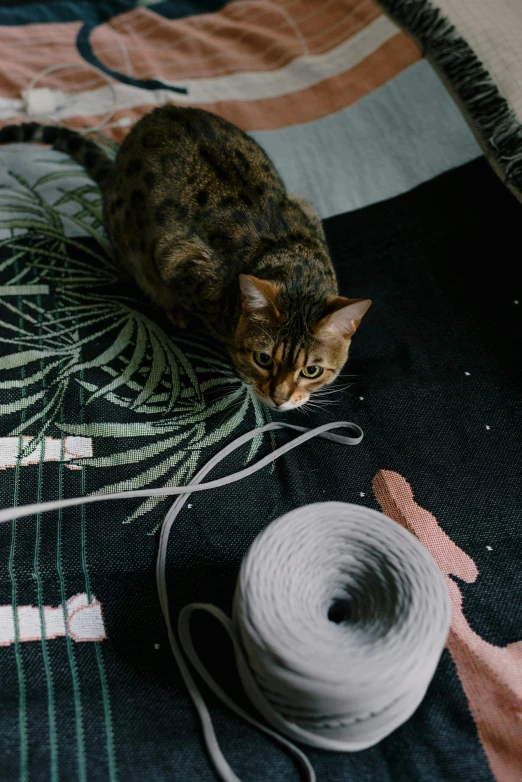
<point x="104" y="123"/>
<point x="9" y="514"/>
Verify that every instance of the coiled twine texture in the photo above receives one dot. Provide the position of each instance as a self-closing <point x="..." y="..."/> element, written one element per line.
<point x="342" y="616"/>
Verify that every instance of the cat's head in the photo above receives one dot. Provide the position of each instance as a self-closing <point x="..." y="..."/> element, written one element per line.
<point x="286" y="349"/>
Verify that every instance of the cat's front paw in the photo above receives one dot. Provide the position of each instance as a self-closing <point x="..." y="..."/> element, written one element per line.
<point x="178" y="317"/>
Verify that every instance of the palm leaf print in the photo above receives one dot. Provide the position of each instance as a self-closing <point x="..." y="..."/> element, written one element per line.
<point x="71" y="334"/>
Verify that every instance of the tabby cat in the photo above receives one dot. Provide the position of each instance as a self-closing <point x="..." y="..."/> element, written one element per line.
<point x="199" y="217"/>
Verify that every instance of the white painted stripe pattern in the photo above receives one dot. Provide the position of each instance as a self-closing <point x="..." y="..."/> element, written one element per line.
<point x="53" y="451"/>
<point x="81" y="620"/>
<point x="300" y="74"/>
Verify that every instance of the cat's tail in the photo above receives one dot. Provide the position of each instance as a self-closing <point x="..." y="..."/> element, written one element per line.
<point x="85" y="152"/>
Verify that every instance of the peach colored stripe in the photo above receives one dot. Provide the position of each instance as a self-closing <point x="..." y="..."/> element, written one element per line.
<point x="327" y="97"/>
<point x="245" y="35"/>
<point x="491" y="676"/>
<point x="28" y="49"/>
<point x="307" y="15"/>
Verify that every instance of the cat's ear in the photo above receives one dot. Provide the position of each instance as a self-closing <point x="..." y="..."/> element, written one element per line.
<point x="258" y="297"/>
<point x="343" y="317"/>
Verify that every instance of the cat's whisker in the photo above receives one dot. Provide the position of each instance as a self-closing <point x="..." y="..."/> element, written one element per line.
<point x="311" y="410"/>
<point x="329" y="392"/>
<point x="336" y="386"/>
<point x="326" y="392"/>
<point x="228" y="395"/>
<point x="310" y="404"/>
<point x="318" y="395"/>
<point x="232" y="409"/>
<point x="233" y="406"/>
<point x="224" y="401"/>
<point x="322" y="401"/>
<point x="215" y="366"/>
<point x="224" y="391"/>
<point x="211" y="398"/>
<point x="327" y="400"/>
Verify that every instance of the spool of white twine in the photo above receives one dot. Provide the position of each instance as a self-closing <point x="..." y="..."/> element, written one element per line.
<point x="343" y="616"/>
<point x="340" y="618"/>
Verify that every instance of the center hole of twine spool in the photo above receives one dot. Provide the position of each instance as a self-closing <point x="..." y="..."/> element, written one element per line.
<point x="373" y="597"/>
<point x="340" y="611"/>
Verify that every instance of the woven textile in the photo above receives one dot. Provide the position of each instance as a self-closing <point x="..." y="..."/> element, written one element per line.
<point x="98" y="392"/>
<point x="475" y="45"/>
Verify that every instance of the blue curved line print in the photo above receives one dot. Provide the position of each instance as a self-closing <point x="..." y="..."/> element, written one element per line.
<point x="85" y="50"/>
<point x="94" y="13"/>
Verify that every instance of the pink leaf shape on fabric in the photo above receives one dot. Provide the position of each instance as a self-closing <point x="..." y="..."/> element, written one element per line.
<point x="491" y="676"/>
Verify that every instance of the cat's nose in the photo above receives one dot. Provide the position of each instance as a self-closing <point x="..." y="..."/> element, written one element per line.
<point x="278" y="400"/>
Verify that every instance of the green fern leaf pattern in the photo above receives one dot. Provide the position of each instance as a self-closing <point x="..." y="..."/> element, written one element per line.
<point x="72" y="336"/>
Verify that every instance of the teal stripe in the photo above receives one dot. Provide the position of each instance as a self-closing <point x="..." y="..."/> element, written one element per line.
<point x="22" y="705"/>
<point x="107" y="712"/>
<point x="53" y="738"/>
<point x="83" y="528"/>
<point x="53" y="743"/>
<point x="78" y="714"/>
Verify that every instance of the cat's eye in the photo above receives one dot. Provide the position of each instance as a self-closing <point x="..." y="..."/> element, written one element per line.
<point x="312" y="372"/>
<point x="263" y="359"/>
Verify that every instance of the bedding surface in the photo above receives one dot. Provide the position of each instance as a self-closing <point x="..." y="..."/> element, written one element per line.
<point x="99" y="393"/>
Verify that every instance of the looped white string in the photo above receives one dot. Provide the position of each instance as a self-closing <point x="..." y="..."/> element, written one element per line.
<point x="103" y="124"/>
<point x="340" y="616"/>
<point x="9" y="514"/>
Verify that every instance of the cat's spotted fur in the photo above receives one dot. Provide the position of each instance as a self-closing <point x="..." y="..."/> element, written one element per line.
<point x="198" y="215"/>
